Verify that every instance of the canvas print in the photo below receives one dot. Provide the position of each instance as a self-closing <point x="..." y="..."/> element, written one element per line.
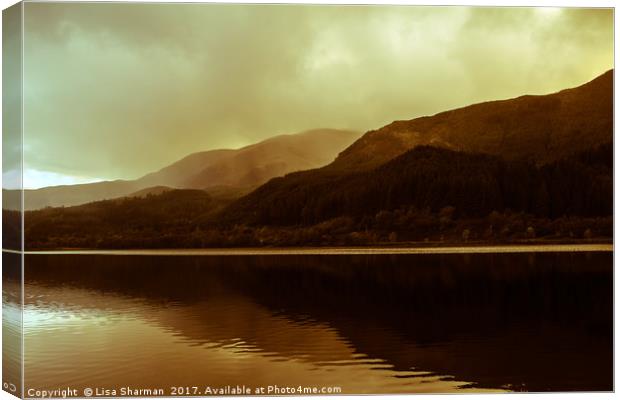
<point x="255" y="199"/>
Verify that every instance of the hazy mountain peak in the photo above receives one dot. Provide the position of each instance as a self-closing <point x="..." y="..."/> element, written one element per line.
<point x="255" y="164"/>
<point x="226" y="170"/>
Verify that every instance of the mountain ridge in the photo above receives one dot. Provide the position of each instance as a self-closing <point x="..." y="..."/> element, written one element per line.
<point x="550" y="134"/>
<point x="238" y="169"/>
<point x="431" y="178"/>
<point x="554" y="182"/>
<point x="428" y="192"/>
<point x="494" y="129"/>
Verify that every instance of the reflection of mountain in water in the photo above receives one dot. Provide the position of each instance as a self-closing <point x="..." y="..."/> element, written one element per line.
<point x="522" y="321"/>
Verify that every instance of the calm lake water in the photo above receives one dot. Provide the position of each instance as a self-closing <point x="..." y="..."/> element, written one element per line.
<point x="365" y="323"/>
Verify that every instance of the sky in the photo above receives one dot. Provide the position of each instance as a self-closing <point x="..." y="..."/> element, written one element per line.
<point x="119" y="90"/>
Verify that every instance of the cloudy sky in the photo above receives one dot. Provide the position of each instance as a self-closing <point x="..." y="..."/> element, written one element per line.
<point x="119" y="90"/>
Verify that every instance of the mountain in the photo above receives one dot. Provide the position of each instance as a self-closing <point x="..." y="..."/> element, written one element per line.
<point x="233" y="172"/>
<point x="255" y="164"/>
<point x="536" y="128"/>
<point x="431" y="178"/>
<point x="530" y="167"/>
<point x="426" y="192"/>
<point x="381" y="170"/>
<point x="69" y="195"/>
<point x="175" y="175"/>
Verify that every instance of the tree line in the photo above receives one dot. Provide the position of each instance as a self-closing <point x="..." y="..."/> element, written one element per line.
<point x="427" y="194"/>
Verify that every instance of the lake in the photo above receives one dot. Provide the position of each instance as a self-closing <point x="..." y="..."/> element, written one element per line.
<point x="363" y="323"/>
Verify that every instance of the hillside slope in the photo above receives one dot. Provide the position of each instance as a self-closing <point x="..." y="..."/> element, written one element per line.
<point x="536" y="128"/>
<point x="523" y="133"/>
<point x="277" y="156"/>
<point x="155" y="220"/>
<point x="432" y="178"/>
<point x="426" y="192"/>
<point x="232" y="171"/>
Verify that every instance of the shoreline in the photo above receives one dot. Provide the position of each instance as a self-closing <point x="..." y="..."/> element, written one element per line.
<point x="378" y="250"/>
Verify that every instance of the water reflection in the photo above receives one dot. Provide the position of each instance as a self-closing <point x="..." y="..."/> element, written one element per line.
<point x="371" y="324"/>
<point x="11" y="323"/>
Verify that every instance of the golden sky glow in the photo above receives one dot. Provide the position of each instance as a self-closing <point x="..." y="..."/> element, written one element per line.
<point x="119" y="90"/>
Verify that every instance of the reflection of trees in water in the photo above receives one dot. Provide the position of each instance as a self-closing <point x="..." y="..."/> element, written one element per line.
<point x="538" y="320"/>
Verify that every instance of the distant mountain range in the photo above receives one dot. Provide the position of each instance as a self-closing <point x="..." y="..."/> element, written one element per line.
<point x="497" y="170"/>
<point x="230" y="173"/>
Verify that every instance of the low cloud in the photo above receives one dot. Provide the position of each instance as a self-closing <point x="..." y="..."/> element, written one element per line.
<point x="118" y="90"/>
